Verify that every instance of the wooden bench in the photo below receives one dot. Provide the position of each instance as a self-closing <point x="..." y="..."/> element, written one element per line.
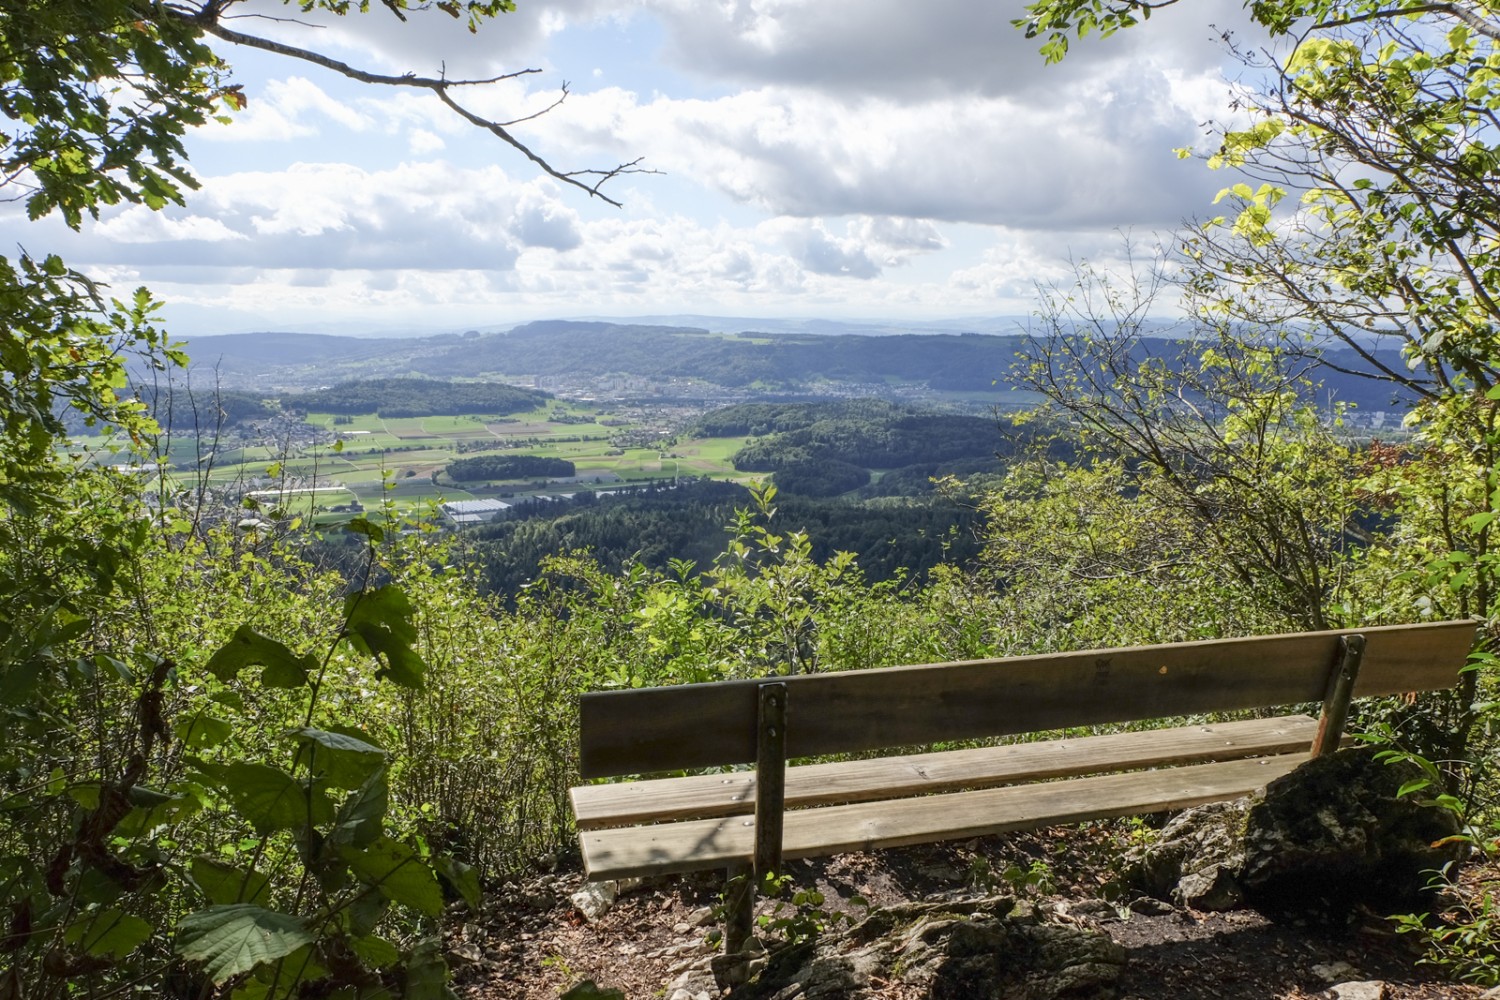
<point x="749" y="821"/>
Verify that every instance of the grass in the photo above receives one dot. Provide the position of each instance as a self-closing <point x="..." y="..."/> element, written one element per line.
<point x="396" y="458"/>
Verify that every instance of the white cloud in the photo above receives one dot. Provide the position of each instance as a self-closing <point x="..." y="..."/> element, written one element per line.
<point x="421" y="142"/>
<point x="909" y="51"/>
<point x="829" y="156"/>
<point x="141" y="225"/>
<point x="287" y="109"/>
<point x="541" y="220"/>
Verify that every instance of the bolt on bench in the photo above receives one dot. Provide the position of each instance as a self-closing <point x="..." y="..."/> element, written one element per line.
<point x="748" y="821"/>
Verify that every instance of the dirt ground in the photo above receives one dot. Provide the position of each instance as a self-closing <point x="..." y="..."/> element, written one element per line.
<point x="532" y="943"/>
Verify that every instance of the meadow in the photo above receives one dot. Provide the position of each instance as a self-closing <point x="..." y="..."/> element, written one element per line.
<point x="403" y="459"/>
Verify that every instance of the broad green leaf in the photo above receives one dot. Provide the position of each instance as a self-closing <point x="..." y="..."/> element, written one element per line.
<point x="200" y="732"/>
<point x="154" y="808"/>
<point x="284" y="978"/>
<point x="426" y="972"/>
<point x="85" y="794"/>
<point x="364" y="526"/>
<point x="108" y="933"/>
<point x="1480" y="521"/>
<point x="398" y="873"/>
<point x="234" y="939"/>
<point x="366" y="912"/>
<point x="361" y="816"/>
<point x="224" y="884"/>
<point x="283" y="668"/>
<point x="269" y="798"/>
<point x="464" y="878"/>
<point x="343" y="761"/>
<point x="376" y="952"/>
<point x="379" y="623"/>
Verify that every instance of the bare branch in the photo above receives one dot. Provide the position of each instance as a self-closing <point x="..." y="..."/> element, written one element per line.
<point x="207" y="19"/>
<point x="568" y="177"/>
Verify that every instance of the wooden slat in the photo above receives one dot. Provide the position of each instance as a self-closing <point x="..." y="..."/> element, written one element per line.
<point x="701" y="844"/>
<point x="710" y="795"/>
<point x="710" y="725"/>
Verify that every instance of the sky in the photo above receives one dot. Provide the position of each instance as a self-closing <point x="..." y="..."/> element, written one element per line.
<point x="845" y="159"/>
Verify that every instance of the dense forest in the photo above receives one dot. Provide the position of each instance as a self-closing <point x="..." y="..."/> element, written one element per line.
<point x="655" y="528"/>
<point x="483" y="467"/>
<point x="827" y="449"/>
<point x="417" y="397"/>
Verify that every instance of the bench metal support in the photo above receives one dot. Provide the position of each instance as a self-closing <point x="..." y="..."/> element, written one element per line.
<point x="739" y="908"/>
<point x="770" y="779"/>
<point x="770" y="805"/>
<point x="1335" y="715"/>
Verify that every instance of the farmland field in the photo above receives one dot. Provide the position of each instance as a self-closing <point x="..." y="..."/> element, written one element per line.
<point x="367" y="458"/>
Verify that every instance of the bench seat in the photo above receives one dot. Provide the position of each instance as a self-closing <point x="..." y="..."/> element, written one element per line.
<point x="749" y="821"/>
<point x="862" y="804"/>
<point x="695" y="844"/>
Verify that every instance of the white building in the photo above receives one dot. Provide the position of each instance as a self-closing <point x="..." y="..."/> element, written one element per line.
<point x="461" y="513"/>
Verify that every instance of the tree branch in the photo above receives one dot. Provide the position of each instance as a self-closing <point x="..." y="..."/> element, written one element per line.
<point x="207" y="20"/>
<point x="1469" y="18"/>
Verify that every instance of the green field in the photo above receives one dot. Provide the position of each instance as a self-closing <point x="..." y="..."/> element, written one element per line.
<point x="402" y="460"/>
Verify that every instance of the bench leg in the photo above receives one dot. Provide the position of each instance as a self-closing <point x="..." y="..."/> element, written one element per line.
<point x="739" y="908"/>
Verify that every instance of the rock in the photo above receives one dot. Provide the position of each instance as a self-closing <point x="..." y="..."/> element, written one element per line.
<point x="1194" y="859"/>
<point x="589" y="990"/>
<point x="1492" y="994"/>
<point x="467" y="952"/>
<point x="1319" y="842"/>
<point x="1369" y="989"/>
<point x="682" y="928"/>
<point x="702" y="916"/>
<point x="1334" y="830"/>
<point x="1334" y="971"/>
<point x="1098" y="908"/>
<point x="987" y="947"/>
<point x="1149" y="907"/>
<point x="595" y="899"/>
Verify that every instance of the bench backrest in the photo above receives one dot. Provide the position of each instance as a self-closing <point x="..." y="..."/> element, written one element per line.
<point x="709" y="725"/>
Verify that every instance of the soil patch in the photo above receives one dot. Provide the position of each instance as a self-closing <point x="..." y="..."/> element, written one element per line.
<point x="532" y="943"/>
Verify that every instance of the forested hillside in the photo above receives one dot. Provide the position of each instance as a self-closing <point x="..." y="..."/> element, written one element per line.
<point x="689" y="525"/>
<point x="413" y="397"/>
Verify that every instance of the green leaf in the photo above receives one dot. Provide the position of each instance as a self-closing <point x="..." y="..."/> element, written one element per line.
<point x="1480" y="521"/>
<point x="361" y="816"/>
<point x="108" y="933"/>
<point x="269" y="798"/>
<point x="364" y="526"/>
<point x="283" y="668"/>
<point x="153" y="809"/>
<point x="426" y="972"/>
<point x="463" y="878"/>
<point x="202" y="731"/>
<point x="398" y="874"/>
<point x="1414" y="785"/>
<point x="224" y="883"/>
<point x="379" y="623"/>
<point x="343" y="761"/>
<point x="234" y="939"/>
<point x="376" y="952"/>
<point x="86" y="794"/>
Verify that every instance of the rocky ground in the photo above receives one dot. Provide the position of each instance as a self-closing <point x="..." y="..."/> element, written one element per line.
<point x="535" y="941"/>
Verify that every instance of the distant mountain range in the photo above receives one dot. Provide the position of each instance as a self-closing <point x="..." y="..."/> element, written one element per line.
<point x="818" y="359"/>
